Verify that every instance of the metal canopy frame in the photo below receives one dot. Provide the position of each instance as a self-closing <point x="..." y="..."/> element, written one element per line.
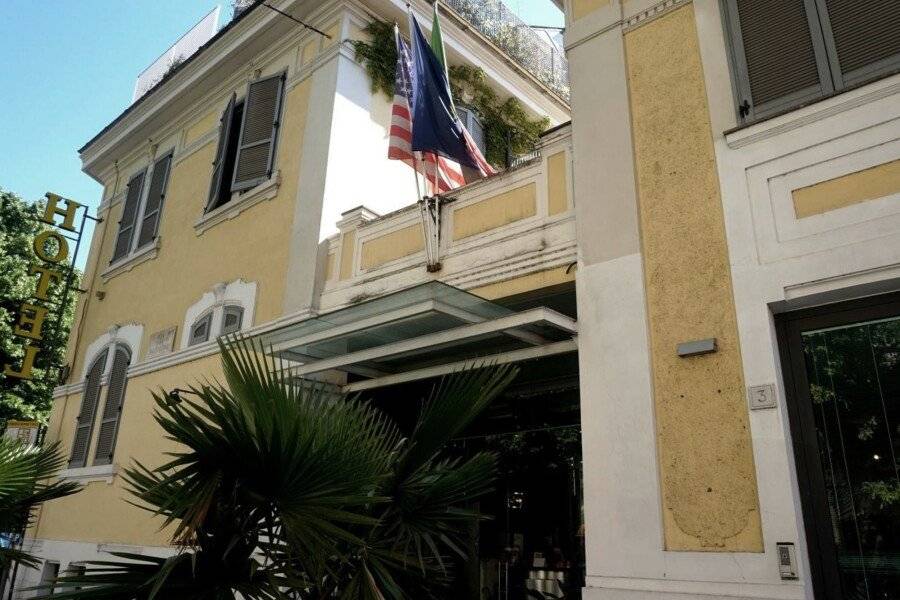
<point x="461" y="319"/>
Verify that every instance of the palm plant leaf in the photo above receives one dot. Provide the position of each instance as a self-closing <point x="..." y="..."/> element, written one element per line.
<point x="183" y="576"/>
<point x="284" y="484"/>
<point x="26" y="474"/>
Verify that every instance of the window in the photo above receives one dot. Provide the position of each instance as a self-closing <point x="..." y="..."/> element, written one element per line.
<point x="232" y="318"/>
<point x="790" y="52"/>
<point x="113" y="361"/>
<point x="142" y="209"/>
<point x="200" y="330"/>
<point x="247" y="135"/>
<point x="473" y="124"/>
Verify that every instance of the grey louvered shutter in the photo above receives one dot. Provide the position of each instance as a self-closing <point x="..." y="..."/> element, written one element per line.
<point x="256" y="148"/>
<point x="779" y="54"/>
<point x="129" y="215"/>
<point x="84" y="425"/>
<point x="112" y="412"/>
<point x="155" y="197"/>
<point x="215" y="189"/>
<point x="863" y="38"/>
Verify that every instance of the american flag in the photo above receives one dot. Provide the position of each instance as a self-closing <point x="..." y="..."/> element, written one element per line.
<point x="447" y="173"/>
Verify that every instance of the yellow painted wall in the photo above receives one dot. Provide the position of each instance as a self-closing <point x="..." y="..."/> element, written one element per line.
<point x="497" y="211"/>
<point x="200" y="127"/>
<point x="706" y="460"/>
<point x="525" y="283"/>
<point x="557" y="184"/>
<point x="392" y="246"/>
<point x="582" y="8"/>
<point x="156" y="294"/>
<point x="334" y="31"/>
<point x="252" y="246"/>
<point x="309" y="51"/>
<point x="348" y="243"/>
<point x="861" y="186"/>
<point x="77" y="517"/>
<point x="329" y="267"/>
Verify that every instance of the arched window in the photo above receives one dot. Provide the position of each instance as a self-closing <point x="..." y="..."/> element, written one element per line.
<point x="473" y="124"/>
<point x="232" y="319"/>
<point x="225" y="309"/>
<point x="201" y="329"/>
<point x="112" y="361"/>
<point x="112" y="412"/>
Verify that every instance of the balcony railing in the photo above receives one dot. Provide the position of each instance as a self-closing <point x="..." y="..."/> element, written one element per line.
<point x="535" y="53"/>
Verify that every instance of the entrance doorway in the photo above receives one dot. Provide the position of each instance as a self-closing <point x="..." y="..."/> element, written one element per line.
<point x="530" y="546"/>
<point x="842" y="374"/>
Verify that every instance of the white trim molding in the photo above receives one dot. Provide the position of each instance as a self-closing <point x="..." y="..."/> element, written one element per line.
<point x="87" y="474"/>
<point x="129" y="335"/>
<point x="238" y="292"/>
<point x="264" y="191"/>
<point x="127" y="263"/>
<point x="651" y="14"/>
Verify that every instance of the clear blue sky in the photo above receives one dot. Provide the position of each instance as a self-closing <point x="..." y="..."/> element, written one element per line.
<point x="68" y="67"/>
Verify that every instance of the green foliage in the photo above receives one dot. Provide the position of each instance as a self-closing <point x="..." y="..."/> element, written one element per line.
<point x="885" y="493"/>
<point x="21" y="399"/>
<point x="505" y="122"/>
<point x="282" y="485"/>
<point x="378" y="56"/>
<point x="23" y="487"/>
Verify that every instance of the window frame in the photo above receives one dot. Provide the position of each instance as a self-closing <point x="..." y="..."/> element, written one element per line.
<point x="276" y="130"/>
<point x="107" y="355"/>
<point x="814" y="510"/>
<point x="740" y="76"/>
<point x="473" y="116"/>
<point x="231" y="309"/>
<point x="220" y="183"/>
<point x="831" y="80"/>
<point x="102" y="356"/>
<point x="148" y="172"/>
<point x="114" y="348"/>
<point x="208" y="317"/>
<point x="139" y="223"/>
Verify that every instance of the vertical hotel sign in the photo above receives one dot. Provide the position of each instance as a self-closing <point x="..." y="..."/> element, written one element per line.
<point x="51" y="249"/>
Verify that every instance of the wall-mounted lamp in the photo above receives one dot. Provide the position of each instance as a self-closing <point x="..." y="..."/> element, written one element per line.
<point x="697" y="347"/>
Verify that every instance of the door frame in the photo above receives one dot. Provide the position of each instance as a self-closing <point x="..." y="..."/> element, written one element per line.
<point x="816" y="518"/>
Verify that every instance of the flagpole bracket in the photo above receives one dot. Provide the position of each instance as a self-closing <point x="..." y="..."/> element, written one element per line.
<point x="430" y="208"/>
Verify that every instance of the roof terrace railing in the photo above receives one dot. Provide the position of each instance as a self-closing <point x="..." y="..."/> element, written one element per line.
<point x="535" y="53"/>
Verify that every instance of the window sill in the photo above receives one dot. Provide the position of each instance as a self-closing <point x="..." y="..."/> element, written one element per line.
<point x="87" y="474"/>
<point x="264" y="191"/>
<point x="812" y="112"/>
<point x="123" y="265"/>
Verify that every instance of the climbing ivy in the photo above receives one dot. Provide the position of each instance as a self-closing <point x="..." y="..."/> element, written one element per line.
<point x="505" y="122"/>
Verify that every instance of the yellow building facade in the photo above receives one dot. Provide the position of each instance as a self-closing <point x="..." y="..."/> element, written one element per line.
<point x="684" y="248"/>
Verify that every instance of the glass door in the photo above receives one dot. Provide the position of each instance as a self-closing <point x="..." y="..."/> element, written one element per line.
<point x="844" y="402"/>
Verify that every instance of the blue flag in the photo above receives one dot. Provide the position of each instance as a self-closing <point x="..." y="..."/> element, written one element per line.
<point x="435" y="125"/>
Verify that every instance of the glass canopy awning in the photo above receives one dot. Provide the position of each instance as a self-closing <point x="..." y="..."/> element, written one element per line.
<point x="420" y="332"/>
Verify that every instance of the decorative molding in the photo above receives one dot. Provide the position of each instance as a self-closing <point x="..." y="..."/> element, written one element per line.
<point x="253" y="26"/>
<point x="123" y="265"/>
<point x="87" y="474"/>
<point x="198" y="144"/>
<point x="121" y="548"/>
<point x="808" y="115"/>
<point x="111" y="201"/>
<point x="238" y="292"/>
<point x="129" y="335"/>
<point x="651" y="14"/>
<point x="264" y="191"/>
